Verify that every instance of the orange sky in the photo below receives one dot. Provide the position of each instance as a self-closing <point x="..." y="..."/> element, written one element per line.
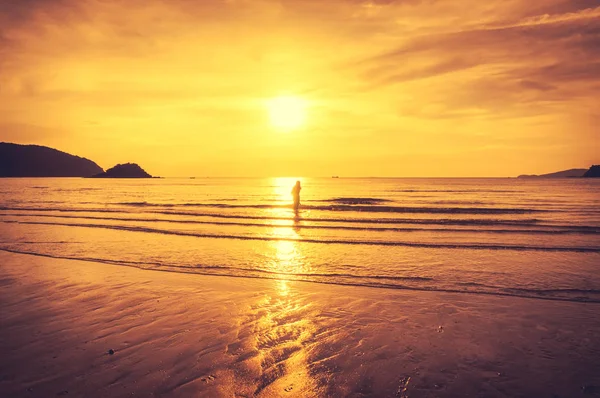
<point x="393" y="88"/>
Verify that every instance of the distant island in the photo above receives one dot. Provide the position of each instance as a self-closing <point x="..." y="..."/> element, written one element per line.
<point x="571" y="173"/>
<point x="127" y="170"/>
<point x="593" y="172"/>
<point x="40" y="161"/>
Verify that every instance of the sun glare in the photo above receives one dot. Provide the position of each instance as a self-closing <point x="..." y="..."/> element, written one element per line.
<point x="287" y="113"/>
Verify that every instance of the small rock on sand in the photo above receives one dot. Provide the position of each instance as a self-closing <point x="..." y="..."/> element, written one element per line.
<point x="590" y="389"/>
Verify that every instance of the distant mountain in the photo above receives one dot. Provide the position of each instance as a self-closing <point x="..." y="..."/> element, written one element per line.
<point x="593" y="172"/>
<point x="127" y="170"/>
<point x="40" y="161"/>
<point x="559" y="174"/>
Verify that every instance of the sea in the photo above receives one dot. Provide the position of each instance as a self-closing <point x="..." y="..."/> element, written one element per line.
<point x="534" y="238"/>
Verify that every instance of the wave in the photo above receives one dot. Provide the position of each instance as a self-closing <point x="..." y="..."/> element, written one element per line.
<point x="438" y="221"/>
<point x="54" y="189"/>
<point x="568" y="295"/>
<point x="356" y="201"/>
<point x="556" y="230"/>
<point x="457" y="202"/>
<point x="416" y="190"/>
<point x="322" y="241"/>
<point x="351" y="207"/>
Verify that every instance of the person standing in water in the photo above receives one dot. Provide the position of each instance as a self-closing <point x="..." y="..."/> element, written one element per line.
<point x="296" y="195"/>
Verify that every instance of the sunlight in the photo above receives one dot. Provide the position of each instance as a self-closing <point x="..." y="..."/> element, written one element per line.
<point x="284" y="289"/>
<point x="287" y="113"/>
<point x="287" y="255"/>
<point x="282" y="188"/>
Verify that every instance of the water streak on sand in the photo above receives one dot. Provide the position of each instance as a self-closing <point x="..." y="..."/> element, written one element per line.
<point x="569" y="295"/>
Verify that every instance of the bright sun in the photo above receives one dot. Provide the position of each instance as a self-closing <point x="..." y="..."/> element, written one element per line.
<point x="287" y="112"/>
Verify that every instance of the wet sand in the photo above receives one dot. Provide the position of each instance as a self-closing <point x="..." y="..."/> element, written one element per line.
<point x="179" y="335"/>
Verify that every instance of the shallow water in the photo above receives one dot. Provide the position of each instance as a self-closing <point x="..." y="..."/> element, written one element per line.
<point x="530" y="238"/>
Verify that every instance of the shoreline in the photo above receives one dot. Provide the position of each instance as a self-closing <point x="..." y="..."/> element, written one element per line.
<point x="282" y="278"/>
<point x="176" y="335"/>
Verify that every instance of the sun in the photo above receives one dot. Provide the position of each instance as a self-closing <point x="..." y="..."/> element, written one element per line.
<point x="287" y="113"/>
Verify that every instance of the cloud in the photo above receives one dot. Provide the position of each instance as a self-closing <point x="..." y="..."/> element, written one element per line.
<point x="378" y="72"/>
<point x="537" y="60"/>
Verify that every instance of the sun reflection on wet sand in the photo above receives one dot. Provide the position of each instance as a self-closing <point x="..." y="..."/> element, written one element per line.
<point x="277" y="337"/>
<point x="282" y="337"/>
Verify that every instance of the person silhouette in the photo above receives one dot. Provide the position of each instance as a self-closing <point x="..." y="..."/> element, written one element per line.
<point x="296" y="195"/>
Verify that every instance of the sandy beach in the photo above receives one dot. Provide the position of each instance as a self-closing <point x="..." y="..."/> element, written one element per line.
<point x="178" y="335"/>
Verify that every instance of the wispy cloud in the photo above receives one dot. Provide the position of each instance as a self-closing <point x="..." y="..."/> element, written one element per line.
<point x="538" y="59"/>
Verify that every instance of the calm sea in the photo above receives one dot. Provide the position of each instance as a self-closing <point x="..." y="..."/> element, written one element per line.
<point x="529" y="238"/>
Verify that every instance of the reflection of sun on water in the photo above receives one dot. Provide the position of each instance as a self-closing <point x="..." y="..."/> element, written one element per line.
<point x="282" y="187"/>
<point x="286" y="325"/>
<point x="287" y="256"/>
<point x="282" y="193"/>
<point x="283" y="288"/>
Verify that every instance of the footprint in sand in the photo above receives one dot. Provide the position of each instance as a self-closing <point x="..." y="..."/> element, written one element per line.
<point x="402" y="389"/>
<point x="208" y="378"/>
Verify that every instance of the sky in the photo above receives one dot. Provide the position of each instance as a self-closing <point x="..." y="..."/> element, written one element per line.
<point x="408" y="88"/>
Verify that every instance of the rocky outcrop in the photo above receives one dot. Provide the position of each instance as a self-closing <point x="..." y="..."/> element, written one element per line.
<point x="127" y="170"/>
<point x="593" y="172"/>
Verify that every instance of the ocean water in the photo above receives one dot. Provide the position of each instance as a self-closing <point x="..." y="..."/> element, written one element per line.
<point x="527" y="238"/>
